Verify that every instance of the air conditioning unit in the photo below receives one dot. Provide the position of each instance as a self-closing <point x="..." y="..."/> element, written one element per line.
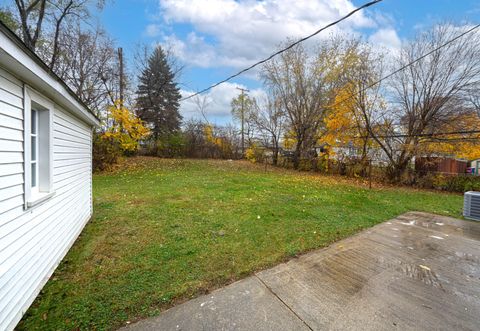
<point x="471" y="205"/>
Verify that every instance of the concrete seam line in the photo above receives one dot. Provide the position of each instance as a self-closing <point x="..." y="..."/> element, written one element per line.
<point x="284" y="303"/>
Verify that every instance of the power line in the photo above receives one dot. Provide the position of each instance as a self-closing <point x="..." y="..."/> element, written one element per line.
<point x="368" y="4"/>
<point x="408" y="64"/>
<point x="405" y="135"/>
<point x="435" y="134"/>
<point x="372" y="84"/>
<point x="403" y="68"/>
<point x="476" y="139"/>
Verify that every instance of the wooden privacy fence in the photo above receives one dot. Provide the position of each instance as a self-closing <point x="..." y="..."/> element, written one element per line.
<point x="440" y="165"/>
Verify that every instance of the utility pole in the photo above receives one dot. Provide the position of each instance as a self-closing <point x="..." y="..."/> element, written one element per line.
<point x="243" y="116"/>
<point x="120" y="58"/>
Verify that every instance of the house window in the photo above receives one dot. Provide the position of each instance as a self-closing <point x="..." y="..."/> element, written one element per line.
<point x="38" y="148"/>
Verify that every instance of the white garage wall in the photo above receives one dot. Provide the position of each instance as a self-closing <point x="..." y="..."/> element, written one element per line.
<point x="33" y="241"/>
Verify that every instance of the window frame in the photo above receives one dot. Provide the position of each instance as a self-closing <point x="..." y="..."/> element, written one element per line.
<point x="34" y="135"/>
<point x="34" y="101"/>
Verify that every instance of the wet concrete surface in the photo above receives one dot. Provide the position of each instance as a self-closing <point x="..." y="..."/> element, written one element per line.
<point x="244" y="305"/>
<point x="415" y="272"/>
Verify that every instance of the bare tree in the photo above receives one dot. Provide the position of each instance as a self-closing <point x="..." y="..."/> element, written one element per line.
<point x="88" y="64"/>
<point x="474" y="97"/>
<point x="193" y="131"/>
<point x="202" y="102"/>
<point x="81" y="54"/>
<point x="31" y="13"/>
<point x="233" y="138"/>
<point x="47" y="17"/>
<point x="427" y="94"/>
<point x="63" y="10"/>
<point x="364" y="98"/>
<point x="293" y="81"/>
<point x="305" y="86"/>
<point x="269" y="120"/>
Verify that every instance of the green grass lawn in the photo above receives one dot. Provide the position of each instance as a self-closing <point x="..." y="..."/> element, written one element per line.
<point x="164" y="231"/>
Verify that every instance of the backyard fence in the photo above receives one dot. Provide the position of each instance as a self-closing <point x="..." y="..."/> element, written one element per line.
<point x="450" y="175"/>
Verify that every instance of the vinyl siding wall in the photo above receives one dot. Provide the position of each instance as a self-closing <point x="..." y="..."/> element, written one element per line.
<point x="34" y="241"/>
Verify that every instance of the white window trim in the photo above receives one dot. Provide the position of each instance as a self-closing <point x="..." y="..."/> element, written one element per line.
<point x="34" y="198"/>
<point x="34" y="189"/>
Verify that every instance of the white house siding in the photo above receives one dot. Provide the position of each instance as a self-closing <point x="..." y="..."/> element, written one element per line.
<point x="34" y="241"/>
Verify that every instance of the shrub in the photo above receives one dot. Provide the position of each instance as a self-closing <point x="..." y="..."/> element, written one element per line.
<point x="254" y="153"/>
<point x="452" y="183"/>
<point x="171" y="145"/>
<point x="127" y="129"/>
<point x="106" y="152"/>
<point x="121" y="137"/>
<point x="305" y="164"/>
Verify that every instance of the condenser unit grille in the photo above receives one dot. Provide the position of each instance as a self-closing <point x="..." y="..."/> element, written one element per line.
<point x="471" y="207"/>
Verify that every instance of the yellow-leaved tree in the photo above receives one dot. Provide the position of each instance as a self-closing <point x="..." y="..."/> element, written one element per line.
<point x="209" y="136"/>
<point x="254" y="153"/>
<point x="461" y="144"/>
<point x="344" y="126"/>
<point x="218" y="146"/>
<point x="127" y="129"/>
<point x="339" y="126"/>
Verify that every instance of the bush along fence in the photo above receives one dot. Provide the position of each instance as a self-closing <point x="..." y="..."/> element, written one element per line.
<point x="377" y="172"/>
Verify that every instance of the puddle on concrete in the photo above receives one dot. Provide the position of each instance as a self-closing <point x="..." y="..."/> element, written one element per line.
<point x="465" y="264"/>
<point x="468" y="257"/>
<point x="412" y="222"/>
<point x="468" y="229"/>
<point x="422" y="273"/>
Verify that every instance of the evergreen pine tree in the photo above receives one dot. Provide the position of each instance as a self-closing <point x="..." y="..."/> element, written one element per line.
<point x="158" y="96"/>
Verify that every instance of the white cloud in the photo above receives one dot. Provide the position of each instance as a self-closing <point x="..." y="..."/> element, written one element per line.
<point x="386" y="38"/>
<point x="237" y="33"/>
<point x="193" y="50"/>
<point x="218" y="100"/>
<point x="242" y="32"/>
<point x="153" y="30"/>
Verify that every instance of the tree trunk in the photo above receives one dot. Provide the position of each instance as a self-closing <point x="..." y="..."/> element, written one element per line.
<point x="275" y="152"/>
<point x="155" y="142"/>
<point x="296" y="155"/>
<point x="396" y="171"/>
<point x="275" y="156"/>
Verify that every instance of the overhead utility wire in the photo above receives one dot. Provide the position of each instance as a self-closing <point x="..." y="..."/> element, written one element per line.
<point x="429" y="135"/>
<point x="434" y="134"/>
<point x="368" y="4"/>
<point x="407" y="65"/>
<point x="403" y="68"/>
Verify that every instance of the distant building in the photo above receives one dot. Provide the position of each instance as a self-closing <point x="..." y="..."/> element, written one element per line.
<point x="475" y="167"/>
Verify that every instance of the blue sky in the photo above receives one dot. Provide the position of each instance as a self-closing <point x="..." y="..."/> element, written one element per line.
<point x="215" y="38"/>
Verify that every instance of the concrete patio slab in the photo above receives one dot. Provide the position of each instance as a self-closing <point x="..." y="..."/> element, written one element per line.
<point x="244" y="305"/>
<point x="418" y="271"/>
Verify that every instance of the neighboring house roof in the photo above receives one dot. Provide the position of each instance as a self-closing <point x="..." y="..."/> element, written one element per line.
<point x="16" y="57"/>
